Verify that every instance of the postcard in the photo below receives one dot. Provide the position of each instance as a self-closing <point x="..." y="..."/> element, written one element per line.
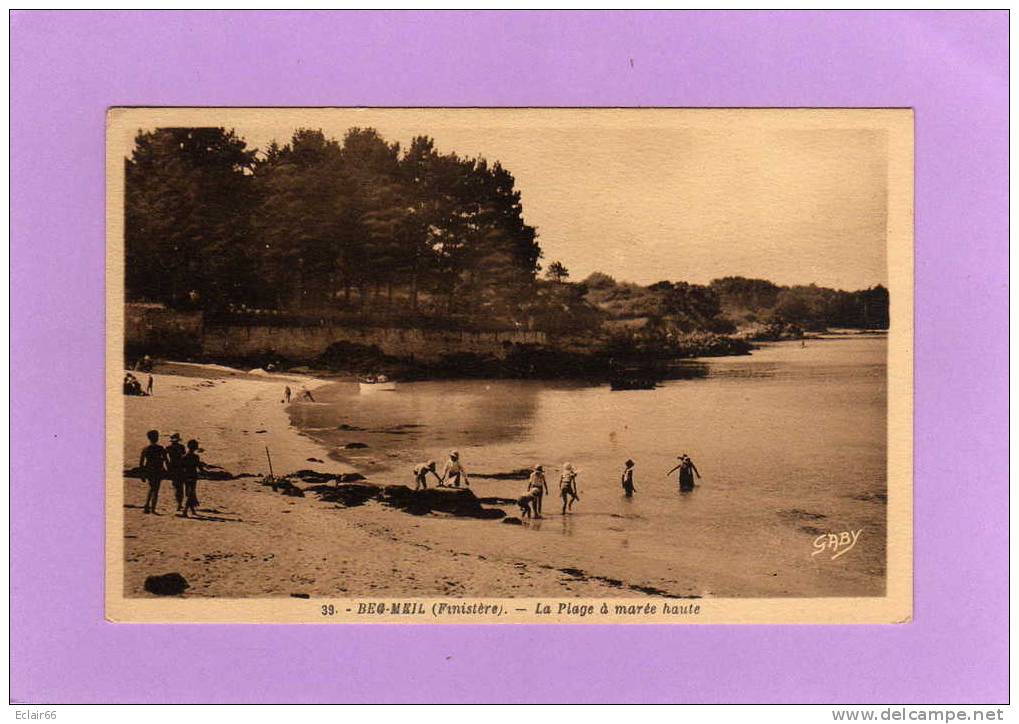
<point x="509" y="365"/>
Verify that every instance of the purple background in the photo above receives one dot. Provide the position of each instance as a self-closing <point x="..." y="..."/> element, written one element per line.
<point x="66" y="68"/>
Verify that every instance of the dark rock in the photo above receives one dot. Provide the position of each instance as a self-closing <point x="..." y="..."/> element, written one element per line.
<point x="346" y="494"/>
<point x="300" y="595"/>
<point x="314" y="460"/>
<point x="511" y="520"/>
<point x="293" y="491"/>
<point x="168" y="584"/>
<point x="355" y="446"/>
<point x="350" y="428"/>
<point x="313" y="476"/>
<point x="497" y="501"/>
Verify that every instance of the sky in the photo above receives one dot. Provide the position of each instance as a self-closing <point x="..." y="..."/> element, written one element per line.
<point x="646" y="195"/>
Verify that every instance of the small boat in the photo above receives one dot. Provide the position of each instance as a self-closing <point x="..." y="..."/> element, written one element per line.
<point x="376" y="383"/>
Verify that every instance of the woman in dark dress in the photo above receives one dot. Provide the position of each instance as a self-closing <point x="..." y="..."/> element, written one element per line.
<point x="687" y="470"/>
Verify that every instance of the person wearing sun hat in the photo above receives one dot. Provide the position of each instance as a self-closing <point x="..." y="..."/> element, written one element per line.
<point x="537" y="488"/>
<point x="627" y="480"/>
<point x="454" y="470"/>
<point x="174" y="469"/>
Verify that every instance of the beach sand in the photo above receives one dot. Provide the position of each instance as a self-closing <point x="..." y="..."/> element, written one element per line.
<point x="250" y="541"/>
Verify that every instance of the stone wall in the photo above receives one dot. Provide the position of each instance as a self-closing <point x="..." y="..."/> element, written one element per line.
<point x="154" y="329"/>
<point x="305" y="344"/>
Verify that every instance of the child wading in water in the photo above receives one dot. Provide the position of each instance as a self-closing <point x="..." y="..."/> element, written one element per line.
<point x="628" y="479"/>
<point x="537" y="489"/>
<point x="687" y="470"/>
<point x="421" y="471"/>
<point x="568" y="487"/>
<point x="153" y="465"/>
<point x="191" y="465"/>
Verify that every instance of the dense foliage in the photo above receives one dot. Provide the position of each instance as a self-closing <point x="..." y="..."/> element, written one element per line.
<point x="360" y="228"/>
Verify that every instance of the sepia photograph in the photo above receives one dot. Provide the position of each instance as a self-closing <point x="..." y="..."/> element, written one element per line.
<point x="516" y="365"/>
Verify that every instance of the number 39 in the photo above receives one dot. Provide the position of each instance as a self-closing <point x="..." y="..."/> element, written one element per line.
<point x="328" y="609"/>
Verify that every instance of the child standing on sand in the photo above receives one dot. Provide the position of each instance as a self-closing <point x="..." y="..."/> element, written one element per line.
<point x="153" y="465"/>
<point x="191" y="465"/>
<point x="568" y="487"/>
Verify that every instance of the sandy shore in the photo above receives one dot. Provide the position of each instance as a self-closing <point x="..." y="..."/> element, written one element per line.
<point x="250" y="541"/>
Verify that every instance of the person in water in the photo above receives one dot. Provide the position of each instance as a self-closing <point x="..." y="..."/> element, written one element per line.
<point x="191" y="465"/>
<point x="174" y="468"/>
<point x="627" y="480"/>
<point x="568" y="487"/>
<point x="421" y="471"/>
<point x="286" y="394"/>
<point x="153" y="466"/>
<point x="537" y="488"/>
<point x="148" y="387"/>
<point x="687" y="470"/>
<point x="454" y="471"/>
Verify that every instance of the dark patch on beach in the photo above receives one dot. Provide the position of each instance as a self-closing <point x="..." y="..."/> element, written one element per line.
<point x="355" y="446"/>
<point x="580" y="575"/>
<point x="797" y="514"/>
<point x="872" y="497"/>
<point x="300" y="595"/>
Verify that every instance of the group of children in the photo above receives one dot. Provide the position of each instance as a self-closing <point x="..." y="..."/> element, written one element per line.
<point x="530" y="503"/>
<point x="453" y="471"/>
<point x="174" y="462"/>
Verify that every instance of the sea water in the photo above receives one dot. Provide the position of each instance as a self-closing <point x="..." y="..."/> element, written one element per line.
<point x="790" y="443"/>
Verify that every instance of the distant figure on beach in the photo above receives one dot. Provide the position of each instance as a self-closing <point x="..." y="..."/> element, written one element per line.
<point x="192" y="464"/>
<point x="628" y="479"/>
<point x="175" y="469"/>
<point x="421" y="471"/>
<point x="153" y="465"/>
<point x="286" y="394"/>
<point x="132" y="386"/>
<point x="454" y="471"/>
<point x="306" y="395"/>
<point x="687" y="470"/>
<point x="537" y="488"/>
<point x="148" y="386"/>
<point x="568" y="487"/>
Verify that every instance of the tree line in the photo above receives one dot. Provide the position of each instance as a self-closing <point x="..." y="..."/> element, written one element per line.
<point x="319" y="224"/>
<point x="360" y="226"/>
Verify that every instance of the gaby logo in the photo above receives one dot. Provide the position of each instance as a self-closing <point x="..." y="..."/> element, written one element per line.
<point x="836" y="543"/>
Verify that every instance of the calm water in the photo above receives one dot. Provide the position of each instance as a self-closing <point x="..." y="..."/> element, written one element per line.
<point x="790" y="441"/>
